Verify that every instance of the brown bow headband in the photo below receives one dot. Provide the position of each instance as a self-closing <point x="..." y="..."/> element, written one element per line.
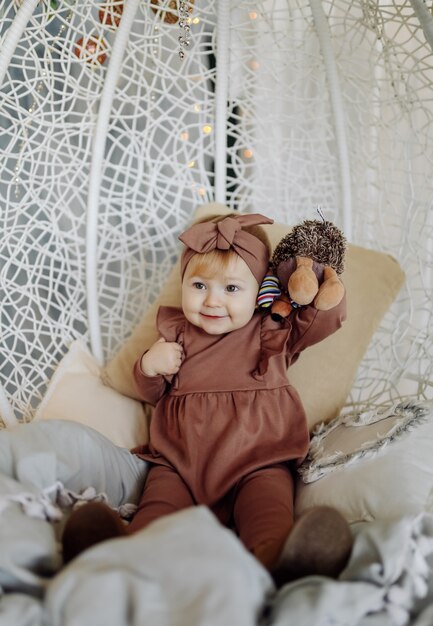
<point x="225" y="235"/>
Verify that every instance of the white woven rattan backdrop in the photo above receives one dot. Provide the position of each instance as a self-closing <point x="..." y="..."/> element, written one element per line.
<point x="109" y="141"/>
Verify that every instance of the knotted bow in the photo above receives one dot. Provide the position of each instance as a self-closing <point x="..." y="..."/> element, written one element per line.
<point x="225" y="235"/>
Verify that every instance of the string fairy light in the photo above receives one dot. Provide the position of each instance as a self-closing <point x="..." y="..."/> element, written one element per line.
<point x="185" y="28"/>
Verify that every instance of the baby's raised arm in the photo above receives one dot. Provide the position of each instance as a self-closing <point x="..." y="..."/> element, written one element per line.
<point x="163" y="358"/>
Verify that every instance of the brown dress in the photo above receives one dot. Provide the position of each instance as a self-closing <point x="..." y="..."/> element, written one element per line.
<point x="230" y="409"/>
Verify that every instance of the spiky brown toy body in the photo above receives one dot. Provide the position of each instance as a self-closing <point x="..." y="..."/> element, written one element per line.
<point x="321" y="241"/>
<point x="307" y="263"/>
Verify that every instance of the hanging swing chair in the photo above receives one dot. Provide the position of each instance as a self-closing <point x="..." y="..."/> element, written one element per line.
<point x="124" y="120"/>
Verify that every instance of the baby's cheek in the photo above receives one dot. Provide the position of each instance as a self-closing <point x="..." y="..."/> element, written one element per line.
<point x="191" y="316"/>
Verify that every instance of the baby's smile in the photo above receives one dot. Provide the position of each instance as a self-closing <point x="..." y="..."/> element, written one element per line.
<point x="213" y="317"/>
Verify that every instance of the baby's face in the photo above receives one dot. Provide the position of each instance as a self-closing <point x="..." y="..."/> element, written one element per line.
<point x="220" y="303"/>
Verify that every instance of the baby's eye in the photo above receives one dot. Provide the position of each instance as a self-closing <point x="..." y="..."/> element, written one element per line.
<point x="198" y="285"/>
<point x="232" y="288"/>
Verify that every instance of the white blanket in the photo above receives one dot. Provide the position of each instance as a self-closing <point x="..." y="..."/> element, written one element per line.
<point x="387" y="576"/>
<point x="184" y="569"/>
<point x="187" y="570"/>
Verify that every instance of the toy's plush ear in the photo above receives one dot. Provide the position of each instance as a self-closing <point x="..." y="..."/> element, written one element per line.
<point x="331" y="291"/>
<point x="303" y="284"/>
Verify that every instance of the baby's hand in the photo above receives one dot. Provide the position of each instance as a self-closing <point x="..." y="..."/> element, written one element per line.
<point x="163" y="358"/>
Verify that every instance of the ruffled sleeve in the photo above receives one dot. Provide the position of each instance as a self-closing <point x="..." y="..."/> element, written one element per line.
<point x="170" y="323"/>
<point x="309" y="326"/>
<point x="303" y="328"/>
<point x="273" y="339"/>
<point x="150" y="388"/>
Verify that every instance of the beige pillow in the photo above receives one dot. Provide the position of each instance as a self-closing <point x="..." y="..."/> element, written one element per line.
<point x="76" y="393"/>
<point x="325" y="372"/>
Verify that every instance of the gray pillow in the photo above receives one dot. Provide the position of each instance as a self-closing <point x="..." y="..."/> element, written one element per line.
<point x="33" y="458"/>
<point x="40" y="453"/>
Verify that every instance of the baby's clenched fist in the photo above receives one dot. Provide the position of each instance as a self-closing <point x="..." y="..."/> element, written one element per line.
<point x="163" y="358"/>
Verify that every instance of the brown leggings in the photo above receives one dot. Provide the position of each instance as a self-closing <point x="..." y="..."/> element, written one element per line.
<point x="260" y="506"/>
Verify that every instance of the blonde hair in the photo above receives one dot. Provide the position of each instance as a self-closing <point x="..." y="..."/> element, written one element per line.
<point x="211" y="263"/>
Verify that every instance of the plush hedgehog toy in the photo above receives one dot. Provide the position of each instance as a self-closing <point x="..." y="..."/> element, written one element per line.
<point x="307" y="263"/>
